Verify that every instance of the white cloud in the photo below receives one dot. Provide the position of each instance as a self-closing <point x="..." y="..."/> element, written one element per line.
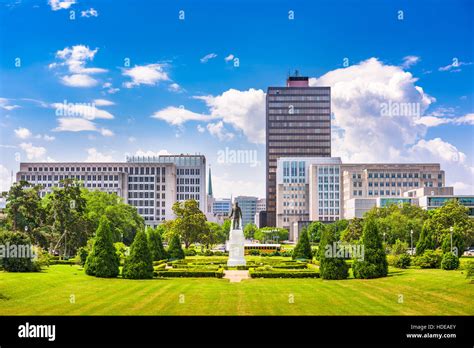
<point x="243" y="110"/>
<point x="229" y="58"/>
<point x="23" y="133"/>
<point x="106" y="132"/>
<point x="362" y="133"/>
<point x="225" y="186"/>
<point x="78" y="80"/>
<point x="466" y="119"/>
<point x="150" y="153"/>
<point x="95" y="156"/>
<point x="433" y="121"/>
<point x="455" y="66"/>
<point x="48" y="137"/>
<point x="208" y="57"/>
<point x="89" y="13"/>
<point x="103" y="102"/>
<point x="177" y="116"/>
<point x="200" y="128"/>
<point x="109" y="88"/>
<point x="174" y="87"/>
<point x="75" y="59"/>
<point x="61" y="4"/>
<point x="33" y="152"/>
<point x="75" y="124"/>
<point x="217" y="129"/>
<point x="408" y="61"/>
<point x="4" y="104"/>
<point x="149" y="75"/>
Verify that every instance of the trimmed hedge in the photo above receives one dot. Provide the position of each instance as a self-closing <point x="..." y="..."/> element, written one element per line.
<point x="188" y="273"/>
<point x="449" y="261"/>
<point x="283" y="274"/>
<point x="429" y="259"/>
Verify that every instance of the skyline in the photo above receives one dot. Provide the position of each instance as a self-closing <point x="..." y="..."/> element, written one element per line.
<point x="187" y="89"/>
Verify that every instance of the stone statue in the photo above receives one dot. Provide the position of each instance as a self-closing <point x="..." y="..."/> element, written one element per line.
<point x="236" y="243"/>
<point x="236" y="216"/>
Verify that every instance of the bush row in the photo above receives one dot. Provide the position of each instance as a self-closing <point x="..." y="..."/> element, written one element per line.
<point x="283" y="274"/>
<point x="187" y="273"/>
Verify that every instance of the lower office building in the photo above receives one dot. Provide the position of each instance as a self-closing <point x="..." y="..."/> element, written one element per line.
<point x="248" y="205"/>
<point x="151" y="184"/>
<point x="322" y="188"/>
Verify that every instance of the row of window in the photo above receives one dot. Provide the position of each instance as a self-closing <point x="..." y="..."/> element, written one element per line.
<point x="189" y="181"/>
<point x="143" y="195"/>
<point x="182" y="196"/>
<point x="62" y="177"/>
<point x="328" y="195"/>
<point x="330" y="204"/>
<point x="188" y="188"/>
<point x="328" y="170"/>
<point x="299" y="98"/>
<point x="393" y="184"/>
<point x="301" y="104"/>
<point x="329" y="187"/>
<point x="189" y="171"/>
<point x="300" y="91"/>
<point x="130" y="170"/>
<point x="328" y="179"/>
<point x="326" y="211"/>
<point x="400" y="175"/>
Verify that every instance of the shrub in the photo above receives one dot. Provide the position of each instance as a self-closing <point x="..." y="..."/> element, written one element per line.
<point x="103" y="260"/>
<point x="190" y="252"/>
<point x="303" y="248"/>
<point x="256" y="273"/>
<point x="15" y="263"/>
<point x="138" y="265"/>
<point x="160" y="267"/>
<point x="374" y="264"/>
<point x="175" y="251"/>
<point x="191" y="273"/>
<point x="449" y="261"/>
<point x="254" y="252"/>
<point x="402" y="261"/>
<point x="469" y="269"/>
<point x="287" y="253"/>
<point x="82" y="254"/>
<point x="399" y="248"/>
<point x="429" y="259"/>
<point x="426" y="240"/>
<point x="330" y="266"/>
<point x="155" y="244"/>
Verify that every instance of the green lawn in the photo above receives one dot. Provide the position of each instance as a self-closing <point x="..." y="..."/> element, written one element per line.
<point x="425" y="292"/>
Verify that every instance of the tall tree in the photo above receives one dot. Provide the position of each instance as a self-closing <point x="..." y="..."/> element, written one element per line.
<point x="155" y="244"/>
<point x="315" y="229"/>
<point x="190" y="222"/>
<point x="211" y="236"/>
<point x="103" y="260"/>
<point x="139" y="264"/>
<point x="374" y="263"/>
<point x="353" y="231"/>
<point x="427" y="239"/>
<point x="303" y="247"/>
<point x="331" y="264"/>
<point x="175" y="251"/>
<point x="249" y="230"/>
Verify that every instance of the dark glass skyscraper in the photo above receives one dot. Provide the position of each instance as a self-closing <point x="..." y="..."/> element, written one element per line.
<point x="298" y="124"/>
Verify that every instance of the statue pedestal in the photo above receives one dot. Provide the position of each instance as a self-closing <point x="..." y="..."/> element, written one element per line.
<point x="236" y="248"/>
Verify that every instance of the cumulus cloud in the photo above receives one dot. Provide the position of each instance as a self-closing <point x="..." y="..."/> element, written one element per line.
<point x="61" y="4"/>
<point x="151" y="153"/>
<point x="109" y="88"/>
<point x="33" y="152"/>
<point x="362" y="132"/>
<point x="74" y="59"/>
<point x="174" y="87"/>
<point x="23" y="133"/>
<point x="84" y="110"/>
<point x="408" y="61"/>
<point x="208" y="57"/>
<point x="243" y="110"/>
<point x="149" y="75"/>
<point x="217" y="129"/>
<point x="433" y="121"/>
<point x="95" y="156"/>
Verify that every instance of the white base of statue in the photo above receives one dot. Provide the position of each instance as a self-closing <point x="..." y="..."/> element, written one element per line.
<point x="236" y="248"/>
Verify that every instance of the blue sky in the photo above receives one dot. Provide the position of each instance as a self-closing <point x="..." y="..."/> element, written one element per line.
<point x="422" y="55"/>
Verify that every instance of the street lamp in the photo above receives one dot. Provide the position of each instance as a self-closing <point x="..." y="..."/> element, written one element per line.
<point x="451" y="230"/>
<point x="411" y="234"/>
<point x="384" y="237"/>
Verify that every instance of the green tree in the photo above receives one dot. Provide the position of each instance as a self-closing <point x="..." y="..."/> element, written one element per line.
<point x="276" y="234"/>
<point x="374" y="264"/>
<point x="212" y="235"/>
<point x="139" y="264"/>
<point x="65" y="207"/>
<point x="303" y="247"/>
<point x="175" y="251"/>
<point x="331" y="266"/>
<point x="315" y="230"/>
<point x="249" y="230"/>
<point x="399" y="248"/>
<point x="427" y="238"/>
<point x="103" y="261"/>
<point x="190" y="222"/>
<point x="155" y="244"/>
<point x="23" y="207"/>
<point x="353" y="231"/>
<point x="21" y="261"/>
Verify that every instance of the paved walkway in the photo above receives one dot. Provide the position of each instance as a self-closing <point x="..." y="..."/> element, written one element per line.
<point x="236" y="276"/>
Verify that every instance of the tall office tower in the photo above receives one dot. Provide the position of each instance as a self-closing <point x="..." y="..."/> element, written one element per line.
<point x="298" y="124"/>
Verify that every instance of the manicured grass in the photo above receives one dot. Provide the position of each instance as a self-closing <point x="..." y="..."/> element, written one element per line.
<point x="425" y="292"/>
